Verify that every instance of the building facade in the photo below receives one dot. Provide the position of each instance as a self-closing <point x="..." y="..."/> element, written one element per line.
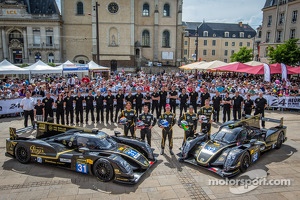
<point x="216" y="41"/>
<point x="29" y="31"/>
<point x="280" y="23"/>
<point x="131" y="32"/>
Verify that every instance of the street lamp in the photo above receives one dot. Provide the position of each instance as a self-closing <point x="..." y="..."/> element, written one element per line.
<point x="97" y="33"/>
<point x="196" y="43"/>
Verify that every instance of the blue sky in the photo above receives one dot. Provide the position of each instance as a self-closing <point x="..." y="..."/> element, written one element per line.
<point x="227" y="11"/>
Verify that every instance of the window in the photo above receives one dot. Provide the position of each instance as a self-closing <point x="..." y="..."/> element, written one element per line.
<point x="214" y="35"/>
<point x="36" y="37"/>
<point x="49" y="37"/>
<point x="281" y="2"/>
<point x="269" y="20"/>
<point x="79" y="8"/>
<point x="185" y="42"/>
<point x="205" y="33"/>
<point x="233" y="35"/>
<point x="232" y="52"/>
<point x="51" y="58"/>
<point x="292" y="33"/>
<point x="259" y="34"/>
<point x="279" y="36"/>
<point x="248" y="44"/>
<point x="146" y="9"/>
<point x="204" y="52"/>
<point x="225" y="60"/>
<point x="226" y="34"/>
<point x="166" y="10"/>
<point x="15" y="35"/>
<point x="226" y="44"/>
<point x="241" y="44"/>
<point x="226" y="53"/>
<point x="166" y="39"/>
<point x="205" y="42"/>
<point x="214" y="42"/>
<point x="294" y="16"/>
<point x="233" y="44"/>
<point x="268" y="36"/>
<point x="213" y="52"/>
<point x="185" y="52"/>
<point x="37" y="56"/>
<point x="242" y="34"/>
<point x="281" y="18"/>
<point x="266" y="52"/>
<point x="146" y="38"/>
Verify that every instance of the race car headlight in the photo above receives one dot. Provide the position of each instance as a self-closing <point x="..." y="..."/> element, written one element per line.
<point x="186" y="149"/>
<point x="229" y="161"/>
<point x="123" y="164"/>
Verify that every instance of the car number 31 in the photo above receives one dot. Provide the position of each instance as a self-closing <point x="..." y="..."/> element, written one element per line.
<point x="82" y="168"/>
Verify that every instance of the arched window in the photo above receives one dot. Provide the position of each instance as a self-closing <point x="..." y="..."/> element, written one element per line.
<point x="146" y="38"/>
<point x="166" y="10"/>
<point x="51" y="58"/>
<point x="79" y="8"/>
<point x="37" y="56"/>
<point x="166" y="39"/>
<point x="146" y="9"/>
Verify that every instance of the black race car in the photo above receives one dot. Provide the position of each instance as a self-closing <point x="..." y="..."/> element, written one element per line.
<point x="87" y="151"/>
<point x="234" y="147"/>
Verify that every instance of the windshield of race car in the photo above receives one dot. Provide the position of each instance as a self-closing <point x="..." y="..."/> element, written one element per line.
<point x="227" y="135"/>
<point x="99" y="141"/>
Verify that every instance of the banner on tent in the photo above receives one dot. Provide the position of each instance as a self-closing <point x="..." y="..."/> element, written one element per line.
<point x="75" y="67"/>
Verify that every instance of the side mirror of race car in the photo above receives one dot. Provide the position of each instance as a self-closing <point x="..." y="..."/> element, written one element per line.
<point x="84" y="150"/>
<point x="117" y="133"/>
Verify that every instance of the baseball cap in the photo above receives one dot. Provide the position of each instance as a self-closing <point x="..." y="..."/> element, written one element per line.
<point x="168" y="106"/>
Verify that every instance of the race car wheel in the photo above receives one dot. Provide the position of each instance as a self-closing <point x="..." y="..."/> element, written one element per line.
<point x="245" y="162"/>
<point x="22" y="153"/>
<point x="103" y="170"/>
<point x="280" y="139"/>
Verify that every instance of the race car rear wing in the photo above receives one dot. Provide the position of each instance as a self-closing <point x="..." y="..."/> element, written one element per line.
<point x="280" y="121"/>
<point x="251" y="120"/>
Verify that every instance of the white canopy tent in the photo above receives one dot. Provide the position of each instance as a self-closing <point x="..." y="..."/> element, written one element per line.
<point x="254" y="63"/>
<point x="42" y="68"/>
<point x="94" y="66"/>
<point x="211" y="65"/>
<point x="69" y="63"/>
<point x="8" y="68"/>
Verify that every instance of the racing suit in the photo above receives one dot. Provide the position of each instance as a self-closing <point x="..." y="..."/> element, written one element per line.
<point x="167" y="131"/>
<point x="149" y="120"/>
<point x="207" y="112"/>
<point x="131" y="117"/>
<point x="192" y="120"/>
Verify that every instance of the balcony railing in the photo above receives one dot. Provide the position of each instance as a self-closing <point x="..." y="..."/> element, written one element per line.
<point x="43" y="46"/>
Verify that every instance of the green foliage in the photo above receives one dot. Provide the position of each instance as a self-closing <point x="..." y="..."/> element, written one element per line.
<point x="287" y="53"/>
<point x="51" y="64"/>
<point x="244" y="55"/>
<point x="24" y="65"/>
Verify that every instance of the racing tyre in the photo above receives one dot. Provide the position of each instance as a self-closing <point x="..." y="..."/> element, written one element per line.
<point x="22" y="153"/>
<point x="280" y="139"/>
<point x="245" y="162"/>
<point x="103" y="170"/>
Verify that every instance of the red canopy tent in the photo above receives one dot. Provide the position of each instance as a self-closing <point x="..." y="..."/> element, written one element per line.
<point x="294" y="70"/>
<point x="256" y="70"/>
<point x="234" y="67"/>
<point x="276" y="68"/>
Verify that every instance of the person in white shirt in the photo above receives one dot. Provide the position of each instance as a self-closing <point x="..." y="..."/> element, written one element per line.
<point x="27" y="104"/>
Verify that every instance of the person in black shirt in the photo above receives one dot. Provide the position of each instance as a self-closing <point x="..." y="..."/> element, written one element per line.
<point x="149" y="121"/>
<point x="68" y="104"/>
<point x="205" y="95"/>
<point x="155" y="105"/>
<point x="120" y="103"/>
<point x="109" y="99"/>
<point x="173" y="95"/>
<point x="260" y="105"/>
<point x="39" y="111"/>
<point x="162" y="100"/>
<point x="48" y="103"/>
<point x="147" y="100"/>
<point x="193" y="99"/>
<point x="226" y="107"/>
<point x="89" y="107"/>
<point x="60" y="112"/>
<point x="183" y="98"/>
<point x="138" y="101"/>
<point x="216" y="105"/>
<point x="99" y="106"/>
<point x="237" y="106"/>
<point x="130" y="98"/>
<point x="79" y="107"/>
<point x="130" y="115"/>
<point x="248" y="105"/>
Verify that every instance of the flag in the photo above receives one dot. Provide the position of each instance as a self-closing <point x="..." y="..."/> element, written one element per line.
<point x="283" y="71"/>
<point x="267" y="74"/>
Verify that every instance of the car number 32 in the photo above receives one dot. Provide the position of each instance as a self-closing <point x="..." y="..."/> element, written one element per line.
<point x="82" y="168"/>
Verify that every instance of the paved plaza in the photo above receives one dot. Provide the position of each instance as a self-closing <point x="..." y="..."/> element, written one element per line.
<point x="168" y="179"/>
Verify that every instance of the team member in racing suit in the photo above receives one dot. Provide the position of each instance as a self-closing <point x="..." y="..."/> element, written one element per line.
<point x="167" y="131"/>
<point x="130" y="115"/>
<point x="149" y="121"/>
<point x="206" y="121"/>
<point x="191" y="118"/>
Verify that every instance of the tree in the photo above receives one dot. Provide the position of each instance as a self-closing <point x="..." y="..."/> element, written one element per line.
<point x="244" y="55"/>
<point x="287" y="53"/>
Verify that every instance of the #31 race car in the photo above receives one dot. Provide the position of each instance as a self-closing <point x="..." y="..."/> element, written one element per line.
<point x="87" y="151"/>
<point x="234" y="147"/>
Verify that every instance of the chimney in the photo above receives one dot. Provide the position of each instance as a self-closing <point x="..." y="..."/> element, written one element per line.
<point x="241" y="24"/>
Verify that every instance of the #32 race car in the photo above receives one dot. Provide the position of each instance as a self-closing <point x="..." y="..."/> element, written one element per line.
<point x="234" y="147"/>
<point x="87" y="151"/>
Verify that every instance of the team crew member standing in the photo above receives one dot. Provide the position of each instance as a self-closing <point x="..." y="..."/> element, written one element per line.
<point x="248" y="105"/>
<point x="207" y="111"/>
<point x="48" y="103"/>
<point x="226" y="107"/>
<point x="167" y="131"/>
<point x="109" y="99"/>
<point x="147" y="100"/>
<point x="99" y="106"/>
<point x="27" y="104"/>
<point x="155" y="99"/>
<point x="79" y="107"/>
<point x="138" y="101"/>
<point x="130" y="115"/>
<point x="260" y="105"/>
<point x="216" y="105"/>
<point x="183" y="98"/>
<point x="193" y="99"/>
<point x="39" y="111"/>
<point x="162" y="100"/>
<point x="68" y="104"/>
<point x="173" y="96"/>
<point x="149" y="121"/>
<point x="191" y="118"/>
<point x="205" y="95"/>
<point x="60" y="112"/>
<point x="130" y="98"/>
<point x="120" y="103"/>
<point x="89" y="107"/>
<point x="237" y="106"/>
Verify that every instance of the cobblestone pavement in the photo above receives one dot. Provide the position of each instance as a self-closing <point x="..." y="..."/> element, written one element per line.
<point x="168" y="179"/>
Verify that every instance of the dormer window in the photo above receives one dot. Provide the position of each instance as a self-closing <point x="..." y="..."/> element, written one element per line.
<point x="242" y="34"/>
<point x="205" y="33"/>
<point x="226" y="34"/>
